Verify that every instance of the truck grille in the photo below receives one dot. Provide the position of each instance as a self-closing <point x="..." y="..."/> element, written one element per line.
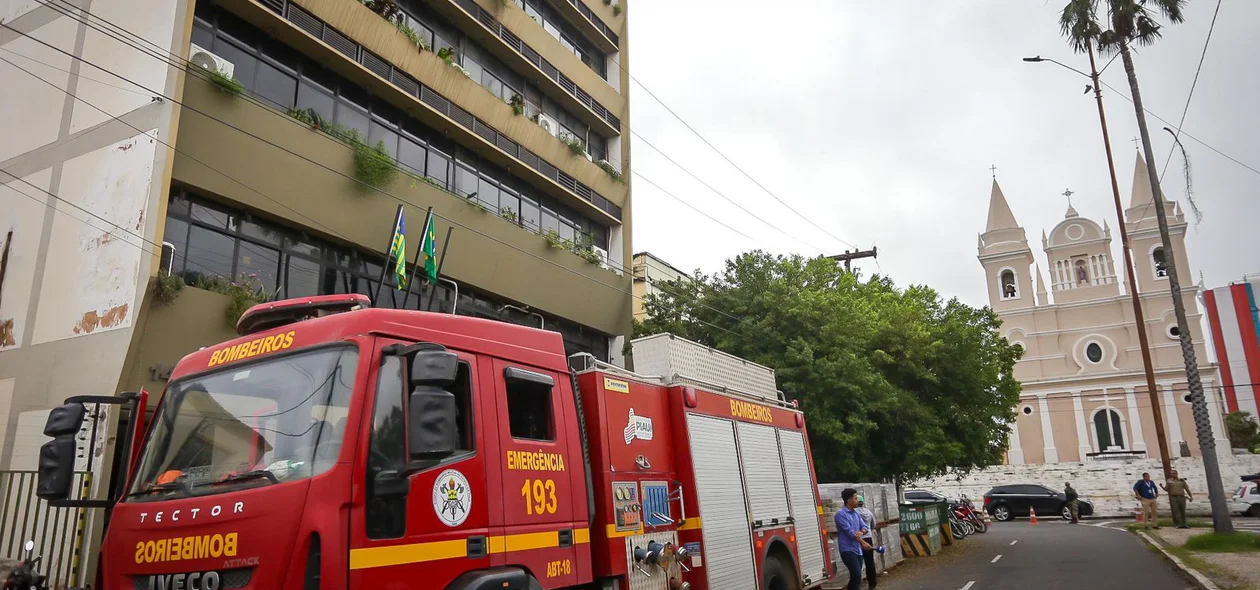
<point x="234" y="578"/>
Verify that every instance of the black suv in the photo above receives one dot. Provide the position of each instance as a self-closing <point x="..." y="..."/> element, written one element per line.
<point x="1008" y="501"/>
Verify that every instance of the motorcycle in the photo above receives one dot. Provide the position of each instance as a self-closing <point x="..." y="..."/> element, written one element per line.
<point x="958" y="527"/>
<point x="25" y="576"/>
<point x="969" y="513"/>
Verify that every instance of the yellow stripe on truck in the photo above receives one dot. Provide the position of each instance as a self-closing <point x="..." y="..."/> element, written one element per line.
<point x="370" y="557"/>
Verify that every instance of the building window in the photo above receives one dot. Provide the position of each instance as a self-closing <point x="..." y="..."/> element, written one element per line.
<point x="1094" y="352"/>
<point x="1027" y="410"/>
<point x="1109" y="430"/>
<point x="1009" y="290"/>
<point x="1082" y="272"/>
<point x="1160" y="262"/>
<point x="529" y="405"/>
<point x="1174" y="331"/>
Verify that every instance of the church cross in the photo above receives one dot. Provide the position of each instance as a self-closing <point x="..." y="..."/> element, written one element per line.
<point x="993" y="171"/>
<point x="1067" y="192"/>
<point x="1135" y="141"/>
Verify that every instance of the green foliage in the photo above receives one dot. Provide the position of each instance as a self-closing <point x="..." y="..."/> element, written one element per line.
<point x="388" y="9"/>
<point x="577" y="146"/>
<point x="518" y="104"/>
<point x="509" y="214"/>
<point x="617" y="9"/>
<point x="612" y="172"/>
<point x="372" y="165"/>
<point x="1244" y="432"/>
<point x="225" y="83"/>
<point x="166" y="288"/>
<point x="447" y="55"/>
<point x="244" y="292"/>
<point x="587" y="252"/>
<point x="412" y="35"/>
<point x="555" y="241"/>
<point x="1236" y="542"/>
<point x="1111" y="24"/>
<point x="895" y="383"/>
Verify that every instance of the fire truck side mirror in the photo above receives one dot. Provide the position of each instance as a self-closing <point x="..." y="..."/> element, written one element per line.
<point x="431" y="409"/>
<point x="56" y="457"/>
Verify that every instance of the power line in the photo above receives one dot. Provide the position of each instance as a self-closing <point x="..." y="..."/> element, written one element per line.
<point x="1193" y="84"/>
<point x="692" y="207"/>
<point x="386" y="193"/>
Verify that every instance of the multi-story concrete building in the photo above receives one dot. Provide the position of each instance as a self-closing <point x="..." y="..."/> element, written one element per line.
<point x="119" y="161"/>
<point x="650" y="274"/>
<point x="1084" y="388"/>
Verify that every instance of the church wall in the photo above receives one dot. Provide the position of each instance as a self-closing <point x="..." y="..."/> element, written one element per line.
<point x="1063" y="423"/>
<point x="1030" y="432"/>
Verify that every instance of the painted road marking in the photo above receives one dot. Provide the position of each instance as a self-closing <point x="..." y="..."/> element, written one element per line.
<point x="996" y="558"/>
<point x="1015" y="541"/>
<point x="969" y="585"/>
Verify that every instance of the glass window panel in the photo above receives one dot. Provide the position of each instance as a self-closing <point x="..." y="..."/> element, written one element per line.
<point x="549" y="221"/>
<point x="465" y="181"/>
<point x="302" y="278"/>
<point x="301" y="246"/>
<point x="437" y="167"/>
<point x="381" y="133"/>
<point x="259" y="265"/>
<point x="310" y="96"/>
<point x="281" y="53"/>
<point x="474" y="68"/>
<point x="488" y="193"/>
<point x="261" y="233"/>
<point x="202" y="35"/>
<point x="178" y="206"/>
<point x="317" y="74"/>
<point x="209" y="254"/>
<point x="411" y="156"/>
<point x="355" y="95"/>
<point x="245" y="64"/>
<point x="352" y="118"/>
<point x="508" y="199"/>
<point x="209" y="216"/>
<point x="176" y="233"/>
<point x="529" y="214"/>
<point x="567" y="233"/>
<point x="275" y="86"/>
<point x="236" y="28"/>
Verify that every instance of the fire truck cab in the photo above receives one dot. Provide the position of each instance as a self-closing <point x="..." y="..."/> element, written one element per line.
<point x="334" y="445"/>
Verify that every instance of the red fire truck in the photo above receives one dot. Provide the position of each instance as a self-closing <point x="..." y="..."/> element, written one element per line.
<point x="334" y="445"/>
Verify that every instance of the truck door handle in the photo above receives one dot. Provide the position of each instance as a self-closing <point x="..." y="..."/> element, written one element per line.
<point x="566" y="537"/>
<point x="477" y="547"/>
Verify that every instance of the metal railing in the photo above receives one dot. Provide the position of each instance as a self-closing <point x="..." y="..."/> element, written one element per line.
<point x="58" y="533"/>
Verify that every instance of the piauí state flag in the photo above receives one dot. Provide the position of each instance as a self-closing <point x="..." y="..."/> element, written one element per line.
<point x="430" y="252"/>
<point x="398" y="253"/>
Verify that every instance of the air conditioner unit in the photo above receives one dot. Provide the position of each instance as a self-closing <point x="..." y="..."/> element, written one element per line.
<point x="603" y="255"/>
<point x="550" y="125"/>
<point x="202" y="57"/>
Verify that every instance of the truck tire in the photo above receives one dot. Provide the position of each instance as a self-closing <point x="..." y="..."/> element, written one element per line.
<point x="778" y="574"/>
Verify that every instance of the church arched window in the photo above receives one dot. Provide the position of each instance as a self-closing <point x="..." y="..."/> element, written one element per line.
<point x="1160" y="262"/>
<point x="1009" y="290"/>
<point x="1108" y="429"/>
<point x="1082" y="272"/>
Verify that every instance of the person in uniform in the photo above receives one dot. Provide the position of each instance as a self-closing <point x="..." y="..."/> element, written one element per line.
<point x="1178" y="494"/>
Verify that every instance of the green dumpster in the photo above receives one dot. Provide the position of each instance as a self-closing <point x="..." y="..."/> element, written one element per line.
<point x="920" y="529"/>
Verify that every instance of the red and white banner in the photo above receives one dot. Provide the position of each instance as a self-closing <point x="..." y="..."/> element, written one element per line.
<point x="1235" y="324"/>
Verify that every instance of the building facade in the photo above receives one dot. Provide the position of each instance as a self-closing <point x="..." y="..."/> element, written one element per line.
<point x="1084" y="387"/>
<point x="1235" y="323"/>
<point x="122" y="162"/>
<point x="650" y="275"/>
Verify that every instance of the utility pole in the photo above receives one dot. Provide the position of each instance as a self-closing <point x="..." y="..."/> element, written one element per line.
<point x="850" y="255"/>
<point x="1138" y="316"/>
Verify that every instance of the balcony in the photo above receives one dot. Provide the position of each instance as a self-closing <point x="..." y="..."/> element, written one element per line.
<point x="596" y="23"/>
<point x="488" y="253"/>
<point x="390" y="67"/>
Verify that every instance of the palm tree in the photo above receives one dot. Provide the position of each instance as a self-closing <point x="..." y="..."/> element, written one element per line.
<point x="1131" y="22"/>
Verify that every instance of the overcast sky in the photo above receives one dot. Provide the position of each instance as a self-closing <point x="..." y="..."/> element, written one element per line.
<point x="878" y="120"/>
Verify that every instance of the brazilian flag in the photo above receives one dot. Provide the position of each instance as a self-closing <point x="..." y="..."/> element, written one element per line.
<point x="429" y="246"/>
<point x="398" y="253"/>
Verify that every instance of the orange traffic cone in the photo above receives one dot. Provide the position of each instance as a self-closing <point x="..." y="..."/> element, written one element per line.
<point x="1032" y="516"/>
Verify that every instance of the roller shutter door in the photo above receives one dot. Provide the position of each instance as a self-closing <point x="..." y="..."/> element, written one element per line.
<point x="763" y="473"/>
<point x="801" y="490"/>
<point x="727" y="551"/>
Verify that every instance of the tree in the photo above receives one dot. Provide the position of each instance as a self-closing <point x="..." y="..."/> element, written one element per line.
<point x="894" y="383"/>
<point x="1129" y="22"/>
<point x="1244" y="433"/>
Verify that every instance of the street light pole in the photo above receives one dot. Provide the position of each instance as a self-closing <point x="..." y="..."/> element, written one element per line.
<point x="1138" y="316"/>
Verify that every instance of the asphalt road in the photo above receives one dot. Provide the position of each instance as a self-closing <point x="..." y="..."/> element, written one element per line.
<point x="1050" y="555"/>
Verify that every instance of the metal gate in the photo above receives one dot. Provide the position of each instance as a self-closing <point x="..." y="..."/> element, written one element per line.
<point x="58" y="533"/>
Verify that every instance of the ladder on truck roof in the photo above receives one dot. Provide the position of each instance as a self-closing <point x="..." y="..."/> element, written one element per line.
<point x="669" y="360"/>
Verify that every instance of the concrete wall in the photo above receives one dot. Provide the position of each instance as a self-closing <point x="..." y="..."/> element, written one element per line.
<point x="1108" y="484"/>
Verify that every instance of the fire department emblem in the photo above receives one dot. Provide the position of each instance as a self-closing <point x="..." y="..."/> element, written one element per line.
<point x="452" y="498"/>
<point x="640" y="427"/>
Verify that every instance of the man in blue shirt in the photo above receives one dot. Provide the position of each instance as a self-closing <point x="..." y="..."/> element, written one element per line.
<point x="1147" y="492"/>
<point x="851" y="531"/>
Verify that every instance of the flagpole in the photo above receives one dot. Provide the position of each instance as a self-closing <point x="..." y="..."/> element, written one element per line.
<point x="384" y="266"/>
<point x="416" y="259"/>
<point x="441" y="260"/>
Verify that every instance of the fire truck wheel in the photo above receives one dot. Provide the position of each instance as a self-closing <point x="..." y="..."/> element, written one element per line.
<point x="778" y="574"/>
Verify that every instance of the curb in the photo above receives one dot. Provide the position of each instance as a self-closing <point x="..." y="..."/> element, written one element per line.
<point x="1199" y="579"/>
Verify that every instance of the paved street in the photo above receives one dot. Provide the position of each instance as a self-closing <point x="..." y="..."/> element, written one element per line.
<point x="1051" y="555"/>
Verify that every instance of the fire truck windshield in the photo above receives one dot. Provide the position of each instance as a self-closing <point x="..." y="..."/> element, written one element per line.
<point x="255" y="424"/>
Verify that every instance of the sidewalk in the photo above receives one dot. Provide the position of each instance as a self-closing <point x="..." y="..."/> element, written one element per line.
<point x="1230" y="565"/>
